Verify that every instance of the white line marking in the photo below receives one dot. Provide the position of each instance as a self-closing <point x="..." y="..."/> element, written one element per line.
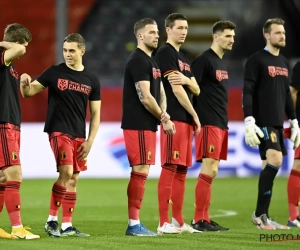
<point x="224" y="213"/>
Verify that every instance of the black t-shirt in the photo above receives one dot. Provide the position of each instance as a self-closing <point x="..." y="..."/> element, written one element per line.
<point x="139" y="67"/>
<point x="68" y="95"/>
<point x="296" y="84"/>
<point x="9" y="93"/>
<point x="169" y="60"/>
<point x="266" y="93"/>
<point x="211" y="74"/>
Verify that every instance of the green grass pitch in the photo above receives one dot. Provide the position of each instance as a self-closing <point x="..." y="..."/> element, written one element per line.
<point x="102" y="212"/>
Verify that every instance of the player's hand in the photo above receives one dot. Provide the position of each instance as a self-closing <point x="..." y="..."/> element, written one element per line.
<point x="252" y="131"/>
<point x="197" y="125"/>
<point x="84" y="150"/>
<point x="295" y="133"/>
<point x="165" y="117"/>
<point x="25" y="80"/>
<point x="177" y="78"/>
<point x="169" y="128"/>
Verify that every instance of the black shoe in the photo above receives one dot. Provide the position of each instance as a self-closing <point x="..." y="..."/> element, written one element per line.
<point x="218" y="226"/>
<point x="203" y="225"/>
<point x="72" y="231"/>
<point x="51" y="228"/>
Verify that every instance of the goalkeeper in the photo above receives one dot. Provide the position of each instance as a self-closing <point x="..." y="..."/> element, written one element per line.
<point x="266" y="99"/>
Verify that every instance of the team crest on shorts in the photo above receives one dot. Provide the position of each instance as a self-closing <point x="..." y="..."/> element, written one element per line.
<point x="176" y="154"/>
<point x="63" y="155"/>
<point x="149" y="155"/>
<point x="211" y="149"/>
<point x="273" y="137"/>
<point x="14" y="155"/>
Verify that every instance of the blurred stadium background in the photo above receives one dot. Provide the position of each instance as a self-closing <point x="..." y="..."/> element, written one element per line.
<point x="107" y="26"/>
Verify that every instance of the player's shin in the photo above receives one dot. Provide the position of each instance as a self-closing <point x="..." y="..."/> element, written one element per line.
<point x="68" y="206"/>
<point x="178" y="191"/>
<point x="13" y="202"/>
<point x="2" y="191"/>
<point x="165" y="192"/>
<point x="57" y="196"/>
<point x="293" y="190"/>
<point x="135" y="194"/>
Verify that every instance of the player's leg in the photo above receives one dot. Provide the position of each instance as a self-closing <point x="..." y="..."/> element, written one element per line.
<point x="140" y="147"/>
<point x="293" y="190"/>
<point x="13" y="174"/>
<point x="271" y="150"/>
<point x="3" y="234"/>
<point x="183" y="159"/>
<point x="211" y="146"/>
<point x="62" y="148"/>
<point x="165" y="182"/>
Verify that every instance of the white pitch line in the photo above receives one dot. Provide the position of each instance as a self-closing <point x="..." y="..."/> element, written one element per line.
<point x="224" y="213"/>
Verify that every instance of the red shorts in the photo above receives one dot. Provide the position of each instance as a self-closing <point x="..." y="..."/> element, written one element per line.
<point x="9" y="145"/>
<point x="140" y="146"/>
<point x="177" y="149"/>
<point x="212" y="142"/>
<point x="65" y="148"/>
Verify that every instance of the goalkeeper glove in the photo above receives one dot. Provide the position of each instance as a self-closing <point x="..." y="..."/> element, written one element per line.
<point x="295" y="133"/>
<point x="251" y="132"/>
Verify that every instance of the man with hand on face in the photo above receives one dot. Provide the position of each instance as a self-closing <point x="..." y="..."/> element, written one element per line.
<point x="144" y="105"/>
<point x="266" y="99"/>
<point x="210" y="71"/>
<point x="70" y="89"/>
<point x="176" y="150"/>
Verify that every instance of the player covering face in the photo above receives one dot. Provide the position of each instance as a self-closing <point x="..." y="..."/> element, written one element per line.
<point x="266" y="100"/>
<point x="13" y="46"/>
<point x="71" y="89"/>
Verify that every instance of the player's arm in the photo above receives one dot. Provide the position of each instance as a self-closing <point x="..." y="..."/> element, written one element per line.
<point x="12" y="51"/>
<point x="290" y="103"/>
<point x="95" y="107"/>
<point x="163" y="98"/>
<point x="149" y="102"/>
<point x="177" y="78"/>
<point x="294" y="93"/>
<point x="28" y="88"/>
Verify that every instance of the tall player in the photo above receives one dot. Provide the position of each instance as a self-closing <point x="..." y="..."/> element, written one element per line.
<point x="71" y="87"/>
<point x="210" y="71"/>
<point x="16" y="38"/>
<point x="266" y="99"/>
<point x="176" y="150"/>
<point x="141" y="113"/>
<point x="293" y="185"/>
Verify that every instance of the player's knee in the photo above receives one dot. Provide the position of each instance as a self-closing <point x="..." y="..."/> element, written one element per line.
<point x="65" y="173"/>
<point x="144" y="169"/>
<point x="274" y="158"/>
<point x="210" y="167"/>
<point x="2" y="179"/>
<point x="296" y="164"/>
<point x="13" y="173"/>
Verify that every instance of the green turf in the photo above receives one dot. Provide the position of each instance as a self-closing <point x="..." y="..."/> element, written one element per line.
<point x="102" y="212"/>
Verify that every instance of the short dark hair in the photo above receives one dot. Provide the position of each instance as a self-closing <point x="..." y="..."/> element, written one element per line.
<point x="16" y="33"/>
<point x="269" y="22"/>
<point x="76" y="38"/>
<point x="220" y="26"/>
<point x="142" y="23"/>
<point x="170" y="20"/>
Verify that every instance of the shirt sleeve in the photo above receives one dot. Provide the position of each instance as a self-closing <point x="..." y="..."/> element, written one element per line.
<point x="296" y="76"/>
<point x="251" y="77"/>
<point x="96" y="90"/>
<point x="167" y="61"/>
<point x="199" y="67"/>
<point x="139" y="69"/>
<point x="45" y="77"/>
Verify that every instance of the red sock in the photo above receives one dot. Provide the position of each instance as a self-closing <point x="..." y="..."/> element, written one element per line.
<point x="178" y="190"/>
<point x="202" y="196"/>
<point x="165" y="192"/>
<point x="13" y="202"/>
<point x="2" y="191"/>
<point x="68" y="205"/>
<point x="135" y="194"/>
<point x="293" y="189"/>
<point x="57" y="196"/>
